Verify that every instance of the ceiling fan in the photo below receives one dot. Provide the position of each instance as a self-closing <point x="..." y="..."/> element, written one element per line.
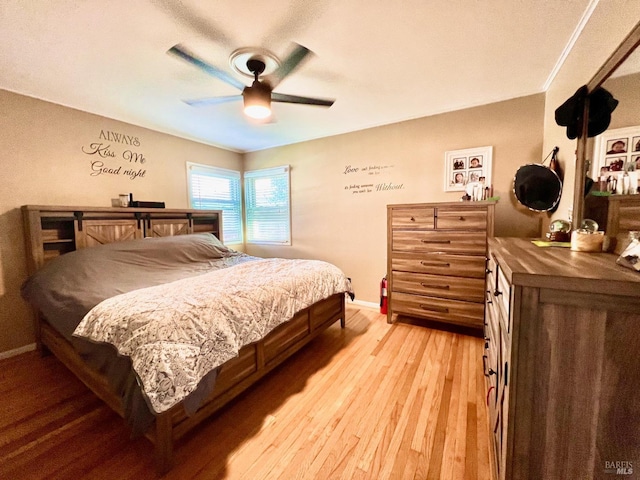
<point x="257" y="97"/>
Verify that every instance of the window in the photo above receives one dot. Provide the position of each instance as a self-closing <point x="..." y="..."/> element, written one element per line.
<point x="267" y="203"/>
<point x="213" y="188"/>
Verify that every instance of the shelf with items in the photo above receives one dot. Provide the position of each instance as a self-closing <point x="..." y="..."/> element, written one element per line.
<point x="56" y="230"/>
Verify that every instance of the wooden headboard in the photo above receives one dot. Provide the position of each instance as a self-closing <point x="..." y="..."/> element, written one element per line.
<point x="51" y="231"/>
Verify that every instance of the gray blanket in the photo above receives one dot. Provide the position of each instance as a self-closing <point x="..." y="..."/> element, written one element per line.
<point x="65" y="289"/>
<point x="69" y="286"/>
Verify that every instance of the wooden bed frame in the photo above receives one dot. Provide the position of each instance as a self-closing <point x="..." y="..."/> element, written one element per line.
<point x="52" y="231"/>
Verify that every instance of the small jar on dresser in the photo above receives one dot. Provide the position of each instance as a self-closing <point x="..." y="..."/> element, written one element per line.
<point x="436" y="260"/>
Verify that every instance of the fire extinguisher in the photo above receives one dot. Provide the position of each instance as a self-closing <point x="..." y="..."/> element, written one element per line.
<point x="383" y="295"/>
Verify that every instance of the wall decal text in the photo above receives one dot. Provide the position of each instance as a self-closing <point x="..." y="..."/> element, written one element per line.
<point x="119" y="138"/>
<point x="369" y="170"/>
<point x="110" y="159"/>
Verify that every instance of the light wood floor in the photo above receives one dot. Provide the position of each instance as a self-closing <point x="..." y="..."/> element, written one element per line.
<point x="372" y="401"/>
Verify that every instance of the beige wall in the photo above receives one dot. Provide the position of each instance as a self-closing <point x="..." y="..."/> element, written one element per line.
<point x="43" y="163"/>
<point x="626" y="90"/>
<point x="332" y="223"/>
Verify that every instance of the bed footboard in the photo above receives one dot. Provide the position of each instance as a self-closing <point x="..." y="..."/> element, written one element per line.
<point x="237" y="375"/>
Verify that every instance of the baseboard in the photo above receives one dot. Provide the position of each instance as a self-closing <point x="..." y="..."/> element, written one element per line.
<point x="362" y="303"/>
<point x="17" y="351"/>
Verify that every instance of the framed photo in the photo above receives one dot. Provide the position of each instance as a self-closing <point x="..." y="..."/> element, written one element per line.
<point x="615" y="151"/>
<point x="462" y="167"/>
<point x="459" y="178"/>
<point x="617" y="146"/>
<point x="615" y="164"/>
<point x="460" y="163"/>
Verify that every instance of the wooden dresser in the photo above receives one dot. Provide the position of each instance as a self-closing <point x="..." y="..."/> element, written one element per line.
<point x="617" y="215"/>
<point x="436" y="258"/>
<point x="561" y="362"/>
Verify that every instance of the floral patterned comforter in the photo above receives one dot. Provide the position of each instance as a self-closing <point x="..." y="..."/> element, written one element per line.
<point x="178" y="332"/>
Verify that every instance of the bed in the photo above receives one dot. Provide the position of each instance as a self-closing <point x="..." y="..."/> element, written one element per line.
<point x="167" y="331"/>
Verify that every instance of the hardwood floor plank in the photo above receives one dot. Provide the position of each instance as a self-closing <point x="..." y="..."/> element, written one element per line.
<point x="433" y="401"/>
<point x="471" y="448"/>
<point x="377" y="435"/>
<point x="440" y="431"/>
<point x="399" y="450"/>
<point x="321" y="448"/>
<point x="372" y="401"/>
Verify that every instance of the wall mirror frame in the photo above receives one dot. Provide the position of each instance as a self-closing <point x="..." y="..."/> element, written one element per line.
<point x="624" y="50"/>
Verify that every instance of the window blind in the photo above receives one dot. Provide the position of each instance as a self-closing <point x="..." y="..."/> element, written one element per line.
<point x="213" y="188"/>
<point x="267" y="203"/>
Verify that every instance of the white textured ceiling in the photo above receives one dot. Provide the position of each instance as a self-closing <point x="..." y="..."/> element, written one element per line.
<point x="383" y="61"/>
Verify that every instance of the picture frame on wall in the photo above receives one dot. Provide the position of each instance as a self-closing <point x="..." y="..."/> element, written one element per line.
<point x="462" y="167"/>
<point x="615" y="151"/>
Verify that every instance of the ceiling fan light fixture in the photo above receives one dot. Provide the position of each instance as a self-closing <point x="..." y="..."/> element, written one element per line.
<point x="257" y="111"/>
<point x="257" y="101"/>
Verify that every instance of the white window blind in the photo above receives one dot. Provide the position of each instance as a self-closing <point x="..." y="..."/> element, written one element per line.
<point x="267" y="201"/>
<point x="213" y="188"/>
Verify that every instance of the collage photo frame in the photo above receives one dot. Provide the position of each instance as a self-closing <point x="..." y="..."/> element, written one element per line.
<point x="467" y="167"/>
<point x="617" y="151"/>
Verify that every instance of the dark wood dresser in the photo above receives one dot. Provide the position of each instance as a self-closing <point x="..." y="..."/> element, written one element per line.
<point x="561" y="362"/>
<point x="436" y="258"/>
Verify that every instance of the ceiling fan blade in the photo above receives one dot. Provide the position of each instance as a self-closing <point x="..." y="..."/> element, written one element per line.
<point x="204" y="102"/>
<point x="181" y="52"/>
<point x="289" y="64"/>
<point x="283" y="98"/>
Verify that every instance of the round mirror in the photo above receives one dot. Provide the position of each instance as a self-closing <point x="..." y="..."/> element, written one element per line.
<point x="537" y="187"/>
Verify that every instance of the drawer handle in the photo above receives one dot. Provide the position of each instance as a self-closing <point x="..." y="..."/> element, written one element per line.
<point x="432" y="308"/>
<point x="462" y="218"/>
<point x="489" y="393"/>
<point x="506" y="373"/>
<point x="439" y="287"/>
<point x="484" y="367"/>
<point x="433" y="264"/>
<point x="489" y="301"/>
<point x="436" y="241"/>
<point x="413" y="219"/>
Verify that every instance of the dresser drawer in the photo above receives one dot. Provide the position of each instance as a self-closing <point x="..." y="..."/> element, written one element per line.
<point x="629" y="217"/>
<point x="452" y="311"/>
<point x="439" y="264"/>
<point x="467" y="289"/>
<point x="417" y="217"/>
<point x="498" y="300"/>
<point x="474" y="243"/>
<point x="461" y="219"/>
